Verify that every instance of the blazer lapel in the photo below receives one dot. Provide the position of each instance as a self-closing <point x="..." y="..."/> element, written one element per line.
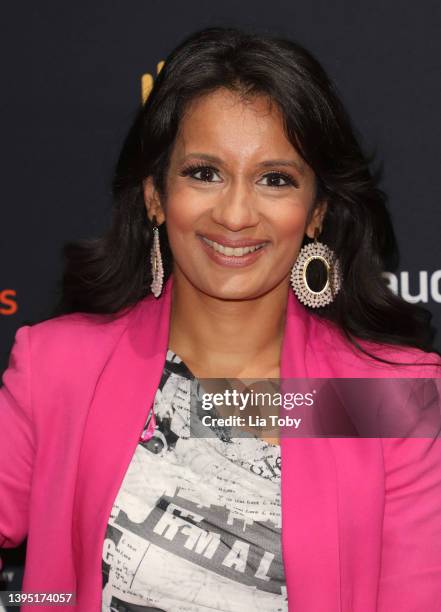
<point x="122" y="400"/>
<point x="332" y="488"/>
<point x="310" y="541"/>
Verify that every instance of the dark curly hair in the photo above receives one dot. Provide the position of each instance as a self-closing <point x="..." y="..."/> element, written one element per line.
<point x="109" y="273"/>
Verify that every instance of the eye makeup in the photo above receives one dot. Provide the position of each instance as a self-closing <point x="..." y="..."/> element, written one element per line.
<point x="192" y="169"/>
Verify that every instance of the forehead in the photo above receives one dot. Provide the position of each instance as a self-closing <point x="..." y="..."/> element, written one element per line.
<point x="226" y="124"/>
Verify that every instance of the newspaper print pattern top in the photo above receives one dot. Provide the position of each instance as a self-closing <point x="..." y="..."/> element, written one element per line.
<point x="196" y="525"/>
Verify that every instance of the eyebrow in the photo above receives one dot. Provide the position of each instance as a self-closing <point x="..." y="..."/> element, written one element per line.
<point x="265" y="164"/>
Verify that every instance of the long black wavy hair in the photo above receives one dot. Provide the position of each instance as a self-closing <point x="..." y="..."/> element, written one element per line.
<point x="110" y="273"/>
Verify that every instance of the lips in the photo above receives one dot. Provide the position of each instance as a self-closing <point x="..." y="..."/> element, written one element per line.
<point x="233" y="257"/>
<point x="236" y="243"/>
<point x="232" y="251"/>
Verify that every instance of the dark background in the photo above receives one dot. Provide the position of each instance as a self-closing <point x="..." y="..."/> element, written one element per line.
<point x="71" y="82"/>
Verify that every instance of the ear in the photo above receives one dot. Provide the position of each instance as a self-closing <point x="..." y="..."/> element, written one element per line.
<point x="152" y="201"/>
<point x="317" y="219"/>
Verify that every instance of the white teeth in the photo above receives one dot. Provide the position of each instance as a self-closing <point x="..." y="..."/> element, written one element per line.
<point x="230" y="250"/>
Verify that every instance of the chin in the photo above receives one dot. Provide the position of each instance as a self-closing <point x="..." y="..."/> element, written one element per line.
<point x="233" y="293"/>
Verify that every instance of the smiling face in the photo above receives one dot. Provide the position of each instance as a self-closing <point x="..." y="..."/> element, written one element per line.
<point x="235" y="179"/>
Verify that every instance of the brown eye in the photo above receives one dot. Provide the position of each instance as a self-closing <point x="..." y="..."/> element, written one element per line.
<point x="205" y="173"/>
<point x="276" y="177"/>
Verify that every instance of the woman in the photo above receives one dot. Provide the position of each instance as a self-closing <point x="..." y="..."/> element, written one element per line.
<point x="241" y="164"/>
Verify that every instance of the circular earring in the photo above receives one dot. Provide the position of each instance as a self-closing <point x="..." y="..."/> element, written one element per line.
<point x="316" y="252"/>
<point x="156" y="262"/>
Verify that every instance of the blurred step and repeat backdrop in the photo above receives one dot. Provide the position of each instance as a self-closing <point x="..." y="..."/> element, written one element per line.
<point x="73" y="75"/>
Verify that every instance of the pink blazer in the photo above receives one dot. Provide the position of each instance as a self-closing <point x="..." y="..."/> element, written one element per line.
<point x="361" y="518"/>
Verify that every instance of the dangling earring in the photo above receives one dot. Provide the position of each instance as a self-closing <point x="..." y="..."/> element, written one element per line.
<point x="299" y="280"/>
<point x="156" y="262"/>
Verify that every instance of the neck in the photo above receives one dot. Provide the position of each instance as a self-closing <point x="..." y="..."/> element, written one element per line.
<point x="217" y="337"/>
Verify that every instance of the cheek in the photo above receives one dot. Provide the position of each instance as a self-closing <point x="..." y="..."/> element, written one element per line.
<point x="290" y="228"/>
<point x="181" y="219"/>
<point x="181" y="212"/>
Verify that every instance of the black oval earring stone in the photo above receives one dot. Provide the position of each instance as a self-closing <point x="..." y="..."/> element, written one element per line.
<point x="316" y="274"/>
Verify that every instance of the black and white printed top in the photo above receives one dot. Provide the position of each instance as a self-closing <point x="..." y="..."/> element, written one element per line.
<point x="196" y="525"/>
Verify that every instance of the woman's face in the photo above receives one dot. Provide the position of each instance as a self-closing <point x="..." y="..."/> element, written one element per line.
<point x="235" y="181"/>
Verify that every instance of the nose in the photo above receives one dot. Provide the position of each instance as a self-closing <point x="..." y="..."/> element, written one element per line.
<point x="236" y="207"/>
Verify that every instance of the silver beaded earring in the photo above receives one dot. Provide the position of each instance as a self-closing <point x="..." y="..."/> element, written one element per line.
<point x="156" y="262"/>
<point x="299" y="274"/>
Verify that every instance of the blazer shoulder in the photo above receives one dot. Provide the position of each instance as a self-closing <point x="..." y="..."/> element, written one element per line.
<point x="372" y="357"/>
<point x="76" y="337"/>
